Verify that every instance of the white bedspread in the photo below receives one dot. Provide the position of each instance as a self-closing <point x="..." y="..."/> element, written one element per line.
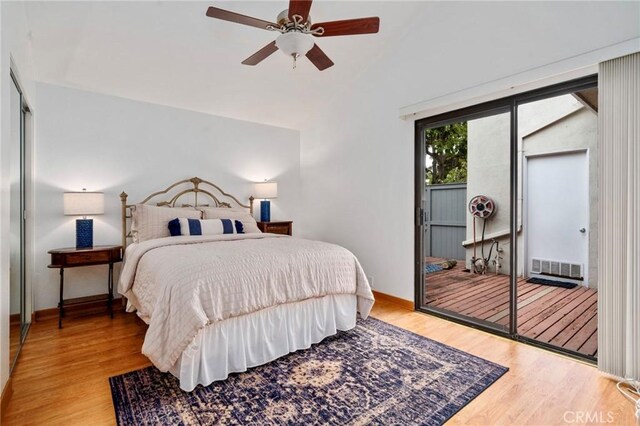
<point x="182" y="284"/>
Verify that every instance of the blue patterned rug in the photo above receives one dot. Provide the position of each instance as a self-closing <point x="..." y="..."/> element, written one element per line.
<point x="374" y="374"/>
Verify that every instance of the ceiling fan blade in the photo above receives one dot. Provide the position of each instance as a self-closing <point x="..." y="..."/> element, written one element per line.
<point x="299" y="7"/>
<point x="349" y="27"/>
<point x="225" y="15"/>
<point x="261" y="54"/>
<point x="319" y="58"/>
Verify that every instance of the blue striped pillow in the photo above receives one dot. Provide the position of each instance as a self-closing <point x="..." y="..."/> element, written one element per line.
<point x="184" y="226"/>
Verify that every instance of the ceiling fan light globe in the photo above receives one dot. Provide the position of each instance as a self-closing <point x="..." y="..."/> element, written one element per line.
<point x="294" y="43"/>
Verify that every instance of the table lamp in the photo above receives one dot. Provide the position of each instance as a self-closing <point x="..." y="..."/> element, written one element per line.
<point x="265" y="190"/>
<point x="83" y="204"/>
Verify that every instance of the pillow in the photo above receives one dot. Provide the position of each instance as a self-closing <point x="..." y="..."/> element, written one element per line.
<point x="249" y="223"/>
<point x="183" y="226"/>
<point x="150" y="222"/>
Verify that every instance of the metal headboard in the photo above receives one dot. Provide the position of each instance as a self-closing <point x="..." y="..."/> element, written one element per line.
<point x="193" y="186"/>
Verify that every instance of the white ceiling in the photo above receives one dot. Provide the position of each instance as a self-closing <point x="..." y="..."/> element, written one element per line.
<point x="170" y="53"/>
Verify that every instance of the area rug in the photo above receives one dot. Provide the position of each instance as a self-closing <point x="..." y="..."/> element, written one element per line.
<point x="375" y="373"/>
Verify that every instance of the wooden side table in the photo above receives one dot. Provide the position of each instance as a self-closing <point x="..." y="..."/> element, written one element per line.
<point x="281" y="227"/>
<point x="73" y="258"/>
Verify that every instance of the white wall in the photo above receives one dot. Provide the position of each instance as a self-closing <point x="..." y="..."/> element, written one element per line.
<point x="110" y="144"/>
<point x="357" y="157"/>
<point x="15" y="46"/>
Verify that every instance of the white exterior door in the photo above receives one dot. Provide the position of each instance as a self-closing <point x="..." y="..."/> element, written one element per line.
<point x="557" y="211"/>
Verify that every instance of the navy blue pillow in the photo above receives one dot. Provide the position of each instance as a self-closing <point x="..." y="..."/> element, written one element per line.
<point x="174" y="227"/>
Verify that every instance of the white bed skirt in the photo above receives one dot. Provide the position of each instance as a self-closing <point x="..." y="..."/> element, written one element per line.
<point x="239" y="343"/>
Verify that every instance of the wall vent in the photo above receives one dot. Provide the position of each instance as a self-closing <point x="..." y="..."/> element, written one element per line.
<point x="576" y="271"/>
<point x="557" y="268"/>
<point x="535" y="265"/>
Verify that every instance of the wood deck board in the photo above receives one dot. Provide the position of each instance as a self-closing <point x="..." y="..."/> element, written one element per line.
<point x="492" y="300"/>
<point x="486" y="300"/>
<point x="446" y="285"/>
<point x="546" y="302"/>
<point x="555" y="315"/>
<point x="523" y="300"/>
<point x="441" y="286"/>
<point x="555" y="310"/>
<point x="563" y="337"/>
<point x="591" y="345"/>
<point x="564" y="310"/>
<point x="583" y="335"/>
<point x="448" y="294"/>
<point x="588" y="306"/>
<point x="460" y="299"/>
<point x="501" y="301"/>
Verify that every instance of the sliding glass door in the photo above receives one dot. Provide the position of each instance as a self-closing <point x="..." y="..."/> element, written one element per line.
<point x="465" y="216"/>
<point x="558" y="254"/>
<point x="505" y="216"/>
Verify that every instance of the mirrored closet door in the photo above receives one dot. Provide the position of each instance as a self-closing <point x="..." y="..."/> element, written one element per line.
<point x="19" y="307"/>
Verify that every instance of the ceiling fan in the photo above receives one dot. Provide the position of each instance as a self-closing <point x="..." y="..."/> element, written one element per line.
<point x="295" y="28"/>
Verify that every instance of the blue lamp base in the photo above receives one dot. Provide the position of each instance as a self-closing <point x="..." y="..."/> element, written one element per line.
<point x="265" y="211"/>
<point x="84" y="233"/>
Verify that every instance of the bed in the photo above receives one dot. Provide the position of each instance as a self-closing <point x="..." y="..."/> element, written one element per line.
<point x="221" y="303"/>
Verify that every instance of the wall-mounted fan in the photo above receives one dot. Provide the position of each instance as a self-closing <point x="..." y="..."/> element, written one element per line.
<point x="296" y="31"/>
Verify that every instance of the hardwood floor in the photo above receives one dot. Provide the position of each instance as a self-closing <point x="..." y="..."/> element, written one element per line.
<point x="62" y="375"/>
<point x="566" y="318"/>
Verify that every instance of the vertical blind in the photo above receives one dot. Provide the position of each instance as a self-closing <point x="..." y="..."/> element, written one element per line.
<point x="619" y="212"/>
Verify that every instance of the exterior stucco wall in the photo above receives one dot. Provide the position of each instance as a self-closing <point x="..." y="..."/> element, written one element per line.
<point x="577" y="131"/>
<point x="488" y="174"/>
<point x="551" y="125"/>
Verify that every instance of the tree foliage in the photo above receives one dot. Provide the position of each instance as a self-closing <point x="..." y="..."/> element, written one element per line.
<point x="447" y="148"/>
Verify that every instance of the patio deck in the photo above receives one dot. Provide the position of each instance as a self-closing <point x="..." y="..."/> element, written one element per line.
<point x="562" y="317"/>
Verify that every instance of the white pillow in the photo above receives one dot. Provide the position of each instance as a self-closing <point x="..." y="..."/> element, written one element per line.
<point x="150" y="222"/>
<point x="250" y="225"/>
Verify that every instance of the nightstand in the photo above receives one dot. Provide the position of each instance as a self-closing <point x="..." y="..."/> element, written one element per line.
<point x="282" y="227"/>
<point x="73" y="258"/>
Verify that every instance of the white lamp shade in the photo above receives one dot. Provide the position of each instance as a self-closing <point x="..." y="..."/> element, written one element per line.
<point x="83" y="203"/>
<point x="294" y="43"/>
<point x="265" y="190"/>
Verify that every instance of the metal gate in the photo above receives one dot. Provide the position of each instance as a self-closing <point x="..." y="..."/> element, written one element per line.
<point x="445" y="220"/>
